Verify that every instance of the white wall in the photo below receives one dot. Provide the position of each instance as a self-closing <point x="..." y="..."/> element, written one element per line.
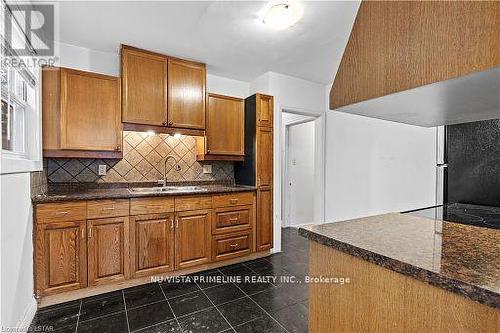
<point x="375" y="166"/>
<point x="300" y="168"/>
<point x="18" y="305"/>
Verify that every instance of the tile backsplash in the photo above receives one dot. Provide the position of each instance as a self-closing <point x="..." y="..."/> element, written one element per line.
<point x="143" y="160"/>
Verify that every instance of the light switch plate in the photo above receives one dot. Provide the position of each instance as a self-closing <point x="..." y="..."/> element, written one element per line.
<point x="207" y="168"/>
<point x="102" y="170"/>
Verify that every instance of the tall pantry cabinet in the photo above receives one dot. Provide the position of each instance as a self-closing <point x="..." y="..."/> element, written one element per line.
<point x="257" y="167"/>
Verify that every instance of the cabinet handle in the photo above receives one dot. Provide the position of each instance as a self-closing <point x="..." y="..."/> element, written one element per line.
<point x="117" y="148"/>
<point x="233" y="245"/>
<point x="177" y="223"/>
<point x="90" y="232"/>
<point x="83" y="233"/>
<point x="208" y="151"/>
<point x="164" y="123"/>
<point x="61" y="213"/>
<point x="171" y="223"/>
<point x="234" y="219"/>
<point x="233" y="201"/>
<point x="108" y="208"/>
<point x="170" y="123"/>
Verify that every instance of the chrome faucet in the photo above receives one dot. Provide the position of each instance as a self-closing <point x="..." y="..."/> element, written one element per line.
<point x="177" y="168"/>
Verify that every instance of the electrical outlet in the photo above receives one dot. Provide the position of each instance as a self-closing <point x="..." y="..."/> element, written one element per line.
<point x="207" y="168"/>
<point x="102" y="170"/>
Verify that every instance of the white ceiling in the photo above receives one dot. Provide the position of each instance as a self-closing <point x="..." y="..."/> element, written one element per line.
<point x="228" y="36"/>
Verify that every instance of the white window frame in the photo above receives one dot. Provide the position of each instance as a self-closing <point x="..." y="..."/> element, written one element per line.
<point x="31" y="159"/>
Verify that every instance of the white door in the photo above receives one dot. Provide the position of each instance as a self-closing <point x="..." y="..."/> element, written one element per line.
<point x="300" y="165"/>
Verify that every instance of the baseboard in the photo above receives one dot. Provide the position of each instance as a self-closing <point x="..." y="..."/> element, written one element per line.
<point x="29" y="313"/>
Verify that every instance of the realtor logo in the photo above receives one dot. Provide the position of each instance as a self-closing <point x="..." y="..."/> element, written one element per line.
<point x="29" y="29"/>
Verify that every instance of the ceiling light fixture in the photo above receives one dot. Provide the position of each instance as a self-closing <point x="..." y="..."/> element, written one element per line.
<point x="283" y="15"/>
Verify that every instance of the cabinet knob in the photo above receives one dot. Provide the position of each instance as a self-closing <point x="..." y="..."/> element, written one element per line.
<point x="118" y="148"/>
<point x="164" y="123"/>
<point x="170" y="123"/>
<point x="208" y="151"/>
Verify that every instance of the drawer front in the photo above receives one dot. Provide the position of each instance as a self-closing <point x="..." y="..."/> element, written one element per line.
<point x="193" y="203"/>
<point x="230" y="219"/>
<point x="97" y="209"/>
<point x="235" y="199"/>
<point x="143" y="206"/>
<point x="60" y="212"/>
<point x="231" y="246"/>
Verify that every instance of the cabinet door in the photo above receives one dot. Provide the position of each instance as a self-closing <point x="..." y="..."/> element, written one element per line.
<point x="108" y="255"/>
<point x="192" y="238"/>
<point x="152" y="244"/>
<point x="265" y="109"/>
<point x="225" y="125"/>
<point x="144" y="85"/>
<point x="90" y="111"/>
<point x="264" y="219"/>
<point x="264" y="156"/>
<point x="61" y="257"/>
<point x="186" y="94"/>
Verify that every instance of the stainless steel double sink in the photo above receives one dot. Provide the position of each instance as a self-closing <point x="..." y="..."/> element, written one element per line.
<point x="167" y="189"/>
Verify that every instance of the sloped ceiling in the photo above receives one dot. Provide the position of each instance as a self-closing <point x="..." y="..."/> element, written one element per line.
<point x="228" y="36"/>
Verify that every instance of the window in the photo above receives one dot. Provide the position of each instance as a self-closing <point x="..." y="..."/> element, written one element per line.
<point x="20" y="109"/>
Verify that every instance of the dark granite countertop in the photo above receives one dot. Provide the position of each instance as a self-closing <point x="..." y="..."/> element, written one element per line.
<point x="460" y="258"/>
<point x="122" y="191"/>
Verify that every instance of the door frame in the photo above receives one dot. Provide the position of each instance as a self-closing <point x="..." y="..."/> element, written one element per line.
<point x="285" y="156"/>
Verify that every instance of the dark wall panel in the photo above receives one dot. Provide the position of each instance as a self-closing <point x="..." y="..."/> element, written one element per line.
<point x="473" y="153"/>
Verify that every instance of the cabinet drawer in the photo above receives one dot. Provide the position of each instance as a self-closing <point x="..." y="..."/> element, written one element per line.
<point x="193" y="203"/>
<point x="234" y="199"/>
<point x="231" y="245"/>
<point x="230" y="219"/>
<point x="143" y="206"/>
<point x="60" y="212"/>
<point x="97" y="209"/>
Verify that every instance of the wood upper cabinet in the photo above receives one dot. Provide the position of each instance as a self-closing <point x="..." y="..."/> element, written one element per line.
<point x="186" y="94"/>
<point x="61" y="257"/>
<point x="144" y="85"/>
<point x="225" y="133"/>
<point x="264" y="156"/>
<point x="151" y="244"/>
<point x="265" y="107"/>
<point x="192" y="238"/>
<point x="81" y="114"/>
<point x="108" y="251"/>
<point x="264" y="219"/>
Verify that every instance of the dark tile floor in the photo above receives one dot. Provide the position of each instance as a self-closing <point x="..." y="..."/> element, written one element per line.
<point x="200" y="306"/>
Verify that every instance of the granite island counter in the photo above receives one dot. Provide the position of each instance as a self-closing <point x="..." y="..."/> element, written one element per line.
<point x="407" y="274"/>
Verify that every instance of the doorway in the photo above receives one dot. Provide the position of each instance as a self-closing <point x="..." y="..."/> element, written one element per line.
<point x="298" y="171"/>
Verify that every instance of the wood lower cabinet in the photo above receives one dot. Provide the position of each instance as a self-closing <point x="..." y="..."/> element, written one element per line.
<point x="61" y="257"/>
<point x="81" y="114"/>
<point x="192" y="238"/>
<point x="92" y="243"/>
<point x="231" y="245"/>
<point x="151" y="244"/>
<point x="108" y="251"/>
<point x="264" y="219"/>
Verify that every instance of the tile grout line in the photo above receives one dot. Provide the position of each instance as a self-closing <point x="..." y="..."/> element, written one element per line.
<point x="126" y="314"/>
<point x="79" y="312"/>
<point x="171" y="309"/>
<point x="216" y="308"/>
<point x="259" y="305"/>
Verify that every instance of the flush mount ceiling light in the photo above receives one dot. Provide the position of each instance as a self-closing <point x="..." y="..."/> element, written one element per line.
<point x="283" y="15"/>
